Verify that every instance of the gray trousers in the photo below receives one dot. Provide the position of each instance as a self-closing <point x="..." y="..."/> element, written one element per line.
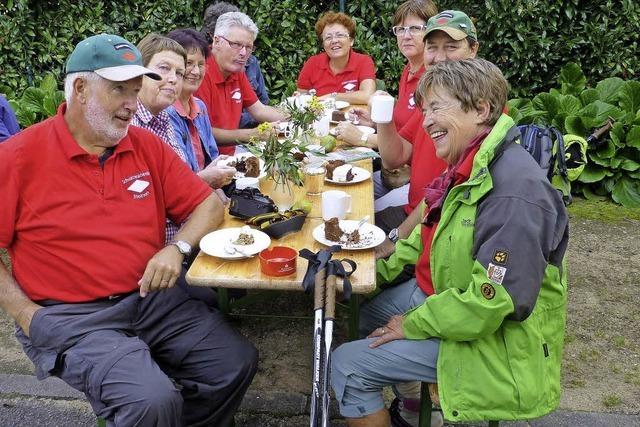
<point x="163" y="360"/>
<point x="359" y="373"/>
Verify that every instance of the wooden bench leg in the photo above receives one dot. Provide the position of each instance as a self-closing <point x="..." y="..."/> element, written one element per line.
<point x="223" y="300"/>
<point x="425" y="406"/>
<point x="354" y="316"/>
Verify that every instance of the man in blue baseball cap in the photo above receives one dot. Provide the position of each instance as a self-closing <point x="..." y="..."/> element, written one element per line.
<point x="92" y="286"/>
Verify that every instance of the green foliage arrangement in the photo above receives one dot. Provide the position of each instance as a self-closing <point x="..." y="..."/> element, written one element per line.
<point x="38" y="103"/>
<point x="530" y="40"/>
<point x="613" y="166"/>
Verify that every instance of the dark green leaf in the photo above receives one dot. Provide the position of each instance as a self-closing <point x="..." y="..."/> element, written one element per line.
<point x="627" y="192"/>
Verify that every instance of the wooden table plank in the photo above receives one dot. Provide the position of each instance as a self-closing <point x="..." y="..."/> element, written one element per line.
<point x="215" y="272"/>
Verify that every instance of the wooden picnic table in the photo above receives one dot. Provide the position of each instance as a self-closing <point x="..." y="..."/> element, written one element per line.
<point x="245" y="273"/>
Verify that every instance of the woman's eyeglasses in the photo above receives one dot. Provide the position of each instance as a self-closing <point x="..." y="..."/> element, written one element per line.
<point x="238" y="46"/>
<point x="337" y="36"/>
<point x="414" y="30"/>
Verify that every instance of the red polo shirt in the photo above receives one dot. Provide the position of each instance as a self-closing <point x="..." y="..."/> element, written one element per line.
<point x="77" y="231"/>
<point x="423" y="267"/>
<point x="225" y="98"/>
<point x="406" y="105"/>
<point x="425" y="165"/>
<point x="316" y="74"/>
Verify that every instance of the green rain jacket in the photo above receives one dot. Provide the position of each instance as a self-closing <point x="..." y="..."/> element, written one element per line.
<point x="501" y="289"/>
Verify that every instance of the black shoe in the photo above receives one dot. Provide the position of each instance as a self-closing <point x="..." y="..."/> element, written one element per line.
<point x="394" y="414"/>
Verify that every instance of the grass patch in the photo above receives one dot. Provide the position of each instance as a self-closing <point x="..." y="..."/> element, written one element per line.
<point x="631" y="378"/>
<point x="619" y="341"/>
<point x="589" y="355"/>
<point x="611" y="400"/>
<point x="576" y="383"/>
<point x="605" y="211"/>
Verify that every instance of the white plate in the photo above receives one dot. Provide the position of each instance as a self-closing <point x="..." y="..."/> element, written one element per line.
<point x="341" y="104"/>
<point x="370" y="235"/>
<point x="359" y="175"/>
<point x="241" y="156"/>
<point x="213" y="243"/>
<point x="364" y="129"/>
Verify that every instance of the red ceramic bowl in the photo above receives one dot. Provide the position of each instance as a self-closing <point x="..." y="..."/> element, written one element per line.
<point x="278" y="261"/>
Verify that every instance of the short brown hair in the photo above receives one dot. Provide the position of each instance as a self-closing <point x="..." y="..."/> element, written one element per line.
<point x="332" y="17"/>
<point x="153" y="43"/>
<point x="423" y="9"/>
<point x="469" y="81"/>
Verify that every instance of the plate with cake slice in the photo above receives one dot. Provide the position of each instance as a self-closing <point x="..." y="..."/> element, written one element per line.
<point x="246" y="164"/>
<point x="341" y="173"/>
<point x="347" y="234"/>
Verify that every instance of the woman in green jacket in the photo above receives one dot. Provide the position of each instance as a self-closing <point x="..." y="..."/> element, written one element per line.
<point x="488" y="324"/>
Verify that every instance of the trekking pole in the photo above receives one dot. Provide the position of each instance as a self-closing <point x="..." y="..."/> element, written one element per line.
<point x="595" y="139"/>
<point x="329" y="315"/>
<point x="318" y="306"/>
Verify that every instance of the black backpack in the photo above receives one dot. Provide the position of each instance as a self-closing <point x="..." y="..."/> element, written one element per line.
<point x="546" y="146"/>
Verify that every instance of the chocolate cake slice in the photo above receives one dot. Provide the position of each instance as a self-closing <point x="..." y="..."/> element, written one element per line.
<point x="332" y="230"/>
<point x="252" y="167"/>
<point x="330" y="167"/>
<point x="338" y="116"/>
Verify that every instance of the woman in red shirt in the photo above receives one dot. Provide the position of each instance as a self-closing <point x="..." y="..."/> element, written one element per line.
<point x="339" y="71"/>
<point x="409" y="24"/>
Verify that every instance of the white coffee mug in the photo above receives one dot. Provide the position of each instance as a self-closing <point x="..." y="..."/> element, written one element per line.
<point x="382" y="108"/>
<point x="335" y="204"/>
<point x="321" y="126"/>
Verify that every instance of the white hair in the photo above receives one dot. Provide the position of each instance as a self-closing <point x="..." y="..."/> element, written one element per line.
<point x="71" y="78"/>
<point x="235" y="19"/>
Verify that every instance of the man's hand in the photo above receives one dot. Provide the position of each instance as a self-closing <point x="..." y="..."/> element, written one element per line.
<point x="23" y="319"/>
<point x="223" y="197"/>
<point x="390" y="332"/>
<point x="264" y="135"/>
<point x="349" y="134"/>
<point x="385" y="249"/>
<point x="162" y="270"/>
<point x="363" y="115"/>
<point x="217" y="175"/>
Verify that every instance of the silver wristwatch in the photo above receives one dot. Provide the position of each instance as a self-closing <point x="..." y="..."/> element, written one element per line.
<point x="364" y="138"/>
<point x="393" y="235"/>
<point x="183" y="247"/>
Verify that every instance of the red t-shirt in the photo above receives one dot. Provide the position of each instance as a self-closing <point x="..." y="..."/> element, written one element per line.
<point x="425" y="166"/>
<point x="406" y="105"/>
<point x="423" y="266"/>
<point x="225" y="98"/>
<point x="77" y="231"/>
<point x="316" y="74"/>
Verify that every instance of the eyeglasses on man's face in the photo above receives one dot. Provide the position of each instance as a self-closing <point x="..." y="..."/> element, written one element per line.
<point x="414" y="30"/>
<point x="238" y="46"/>
<point x="337" y="36"/>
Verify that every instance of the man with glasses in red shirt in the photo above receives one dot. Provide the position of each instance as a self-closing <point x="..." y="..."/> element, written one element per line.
<point x="225" y="88"/>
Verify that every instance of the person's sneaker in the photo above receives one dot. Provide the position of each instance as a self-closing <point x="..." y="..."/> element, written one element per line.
<point x="402" y="417"/>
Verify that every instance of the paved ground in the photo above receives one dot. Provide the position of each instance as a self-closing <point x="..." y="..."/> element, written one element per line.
<point x="603" y="318"/>
<point x="25" y="401"/>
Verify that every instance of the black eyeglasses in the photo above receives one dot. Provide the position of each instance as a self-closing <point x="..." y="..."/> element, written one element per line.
<point x="414" y="30"/>
<point x="238" y="46"/>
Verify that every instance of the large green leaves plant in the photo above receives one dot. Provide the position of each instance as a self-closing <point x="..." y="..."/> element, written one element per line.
<point x="613" y="167"/>
<point x="38" y="103"/>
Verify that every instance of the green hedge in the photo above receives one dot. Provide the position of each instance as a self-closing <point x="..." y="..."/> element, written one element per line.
<point x="529" y="39"/>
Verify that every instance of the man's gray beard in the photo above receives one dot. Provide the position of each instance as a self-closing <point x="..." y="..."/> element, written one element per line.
<point x="100" y="121"/>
